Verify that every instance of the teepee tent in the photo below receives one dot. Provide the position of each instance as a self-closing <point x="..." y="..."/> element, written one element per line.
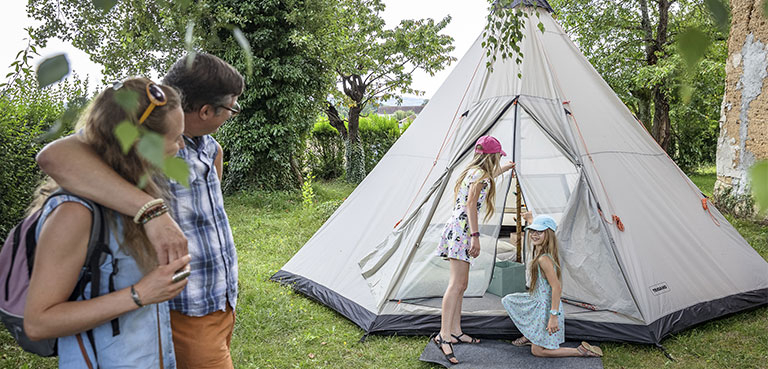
<point x="643" y="253"/>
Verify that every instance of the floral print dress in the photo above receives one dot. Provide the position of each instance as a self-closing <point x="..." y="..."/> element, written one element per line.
<point x="455" y="240"/>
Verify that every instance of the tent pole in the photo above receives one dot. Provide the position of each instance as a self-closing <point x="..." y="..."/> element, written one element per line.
<point x="518" y="195"/>
<point x="519" y="223"/>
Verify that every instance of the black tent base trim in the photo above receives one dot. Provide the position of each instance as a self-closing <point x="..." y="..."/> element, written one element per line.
<point x="500" y="326"/>
<point x="344" y="306"/>
<point x="709" y="310"/>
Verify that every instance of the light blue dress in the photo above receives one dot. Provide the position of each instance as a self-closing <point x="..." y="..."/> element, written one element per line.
<point x="530" y="313"/>
<point x="138" y="344"/>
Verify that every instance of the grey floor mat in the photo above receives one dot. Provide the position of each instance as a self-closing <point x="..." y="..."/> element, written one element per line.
<point x="498" y="354"/>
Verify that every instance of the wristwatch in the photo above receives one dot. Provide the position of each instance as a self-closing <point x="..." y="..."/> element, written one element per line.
<point x="554" y="312"/>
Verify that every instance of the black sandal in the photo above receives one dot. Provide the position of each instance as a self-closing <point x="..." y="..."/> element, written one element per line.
<point x="458" y="338"/>
<point x="521" y="341"/>
<point x="439" y="342"/>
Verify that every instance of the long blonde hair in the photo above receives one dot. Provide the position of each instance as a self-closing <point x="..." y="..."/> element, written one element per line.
<point x="98" y="123"/>
<point x="549" y="245"/>
<point x="488" y="164"/>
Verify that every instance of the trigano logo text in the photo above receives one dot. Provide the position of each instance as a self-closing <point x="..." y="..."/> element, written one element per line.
<point x="660" y="288"/>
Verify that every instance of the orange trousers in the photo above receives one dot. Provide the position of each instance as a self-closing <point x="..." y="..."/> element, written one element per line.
<point x="203" y="342"/>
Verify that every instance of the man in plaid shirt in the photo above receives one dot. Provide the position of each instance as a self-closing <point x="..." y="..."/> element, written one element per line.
<point x="203" y="315"/>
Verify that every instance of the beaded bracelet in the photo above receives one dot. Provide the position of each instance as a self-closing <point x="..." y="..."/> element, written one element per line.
<point x="153" y="213"/>
<point x="147" y="206"/>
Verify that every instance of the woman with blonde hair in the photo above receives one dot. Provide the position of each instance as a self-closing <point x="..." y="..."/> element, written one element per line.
<point x="460" y="240"/>
<point x="128" y="324"/>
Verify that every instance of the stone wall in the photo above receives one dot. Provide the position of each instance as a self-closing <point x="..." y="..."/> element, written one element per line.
<point x="744" y="114"/>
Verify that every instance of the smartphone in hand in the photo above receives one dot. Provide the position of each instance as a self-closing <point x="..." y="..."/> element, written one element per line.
<point x="181" y="275"/>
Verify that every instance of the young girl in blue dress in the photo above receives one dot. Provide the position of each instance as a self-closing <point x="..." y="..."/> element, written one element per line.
<point x="460" y="240"/>
<point x="538" y="313"/>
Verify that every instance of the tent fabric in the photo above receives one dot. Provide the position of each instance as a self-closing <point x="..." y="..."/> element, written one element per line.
<point x="582" y="158"/>
<point x="385" y="263"/>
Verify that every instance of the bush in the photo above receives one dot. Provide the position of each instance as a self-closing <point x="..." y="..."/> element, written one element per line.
<point x="377" y="133"/>
<point x="285" y="86"/>
<point x="695" y="121"/>
<point x="25" y="114"/>
<point x="326" y="148"/>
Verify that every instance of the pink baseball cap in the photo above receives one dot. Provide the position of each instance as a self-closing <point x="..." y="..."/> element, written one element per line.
<point x="490" y="145"/>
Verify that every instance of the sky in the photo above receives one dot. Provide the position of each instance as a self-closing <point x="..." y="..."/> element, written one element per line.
<point x="468" y="20"/>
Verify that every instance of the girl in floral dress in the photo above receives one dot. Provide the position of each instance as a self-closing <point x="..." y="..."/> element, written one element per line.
<point x="460" y="239"/>
<point x="538" y="313"/>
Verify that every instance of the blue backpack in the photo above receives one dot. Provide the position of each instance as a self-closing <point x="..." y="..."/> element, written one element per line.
<point x="16" y="261"/>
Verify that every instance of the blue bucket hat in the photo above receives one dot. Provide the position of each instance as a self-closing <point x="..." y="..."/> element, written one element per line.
<point x="543" y="222"/>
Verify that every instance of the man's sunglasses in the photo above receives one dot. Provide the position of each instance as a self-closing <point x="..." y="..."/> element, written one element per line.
<point x="235" y="109"/>
<point x="156" y="98"/>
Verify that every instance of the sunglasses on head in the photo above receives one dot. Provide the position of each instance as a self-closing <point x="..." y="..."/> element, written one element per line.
<point x="156" y="98"/>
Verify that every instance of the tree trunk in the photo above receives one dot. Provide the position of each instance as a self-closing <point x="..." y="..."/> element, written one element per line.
<point x="661" y="123"/>
<point x="297" y="175"/>
<point x="644" y="111"/>
<point x="354" y="148"/>
<point x="335" y="119"/>
<point x="654" y="46"/>
<point x="744" y="113"/>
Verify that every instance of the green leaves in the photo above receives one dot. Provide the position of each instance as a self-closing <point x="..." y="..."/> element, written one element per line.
<point x="504" y="32"/>
<point x="758" y="175"/>
<point x="126" y="134"/>
<point x="151" y="147"/>
<point x="765" y="8"/>
<point x="692" y="44"/>
<point x="52" y="70"/>
<point x="104" y="5"/>
<point x="189" y="43"/>
<point x="128" y="100"/>
<point x="66" y="121"/>
<point x="177" y="169"/>
<point x="720" y="12"/>
<point x="243" y="42"/>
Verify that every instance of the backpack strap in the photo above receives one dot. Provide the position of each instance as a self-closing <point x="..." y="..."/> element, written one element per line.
<point x="31" y="236"/>
<point x="83" y="351"/>
<point x="115" y="323"/>
<point x="98" y="249"/>
<point x="89" y="333"/>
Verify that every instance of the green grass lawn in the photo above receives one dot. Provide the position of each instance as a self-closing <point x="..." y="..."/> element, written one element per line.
<point x="277" y="328"/>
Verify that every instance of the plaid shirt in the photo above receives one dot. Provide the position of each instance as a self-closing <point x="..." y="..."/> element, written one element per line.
<point x="199" y="211"/>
